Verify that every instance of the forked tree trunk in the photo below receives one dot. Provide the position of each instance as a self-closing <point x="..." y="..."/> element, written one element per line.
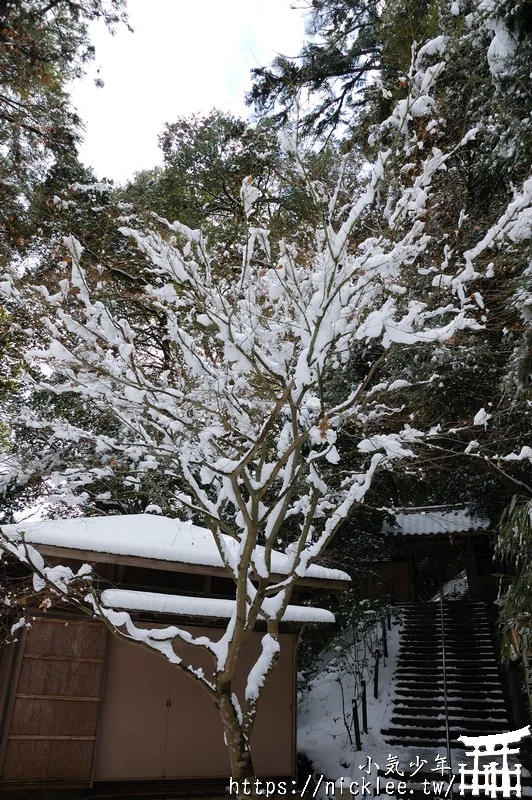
<point x="240" y="759"/>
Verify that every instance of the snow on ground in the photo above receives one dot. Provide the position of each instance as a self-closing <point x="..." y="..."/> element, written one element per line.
<point x="456" y="587"/>
<point x="323" y="714"/>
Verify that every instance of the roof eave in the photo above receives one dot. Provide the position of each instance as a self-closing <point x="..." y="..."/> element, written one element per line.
<point x="92" y="557"/>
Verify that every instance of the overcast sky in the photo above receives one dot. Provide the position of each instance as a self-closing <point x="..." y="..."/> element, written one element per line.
<point x="185" y="56"/>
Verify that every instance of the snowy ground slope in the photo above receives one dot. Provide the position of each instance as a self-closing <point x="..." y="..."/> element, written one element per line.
<point x="322" y="736"/>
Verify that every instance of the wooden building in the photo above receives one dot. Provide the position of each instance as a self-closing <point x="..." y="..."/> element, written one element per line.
<point x="437" y="537"/>
<point x="82" y="709"/>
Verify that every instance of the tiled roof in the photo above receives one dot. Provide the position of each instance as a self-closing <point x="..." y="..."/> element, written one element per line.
<point x="426" y="520"/>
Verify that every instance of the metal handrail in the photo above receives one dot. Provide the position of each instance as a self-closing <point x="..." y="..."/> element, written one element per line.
<point x="445" y="698"/>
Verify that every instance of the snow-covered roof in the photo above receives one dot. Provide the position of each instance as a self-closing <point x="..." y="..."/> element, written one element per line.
<point x="147" y="536"/>
<point x="199" y="606"/>
<point x="435" y="519"/>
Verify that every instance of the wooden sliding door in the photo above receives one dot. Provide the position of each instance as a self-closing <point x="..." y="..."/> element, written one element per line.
<point x="133" y="722"/>
<point x="157" y="723"/>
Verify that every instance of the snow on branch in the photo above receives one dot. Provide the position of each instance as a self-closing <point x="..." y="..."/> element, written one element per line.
<point x="220" y="384"/>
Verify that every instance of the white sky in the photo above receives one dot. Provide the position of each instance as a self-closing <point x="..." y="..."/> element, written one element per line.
<point x="185" y="56"/>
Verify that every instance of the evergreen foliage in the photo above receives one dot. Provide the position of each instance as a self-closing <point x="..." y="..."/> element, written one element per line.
<point x="43" y="46"/>
<point x="515" y="545"/>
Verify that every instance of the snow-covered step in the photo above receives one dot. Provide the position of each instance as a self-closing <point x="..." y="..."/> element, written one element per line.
<point x="458" y="639"/>
<point x="469" y="727"/>
<point x="453" y="668"/>
<point x="482" y="651"/>
<point x="412" y="688"/>
<point x="454" y="712"/>
<point x="429" y="738"/>
<point x="478" y="706"/>
<point x="481" y="667"/>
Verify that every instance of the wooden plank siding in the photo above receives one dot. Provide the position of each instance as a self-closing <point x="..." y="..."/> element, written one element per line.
<point x="53" y="723"/>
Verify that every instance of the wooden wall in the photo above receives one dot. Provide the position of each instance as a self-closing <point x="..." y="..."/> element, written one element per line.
<point x="389" y="580"/>
<point x="84" y="706"/>
<point x="54" y="708"/>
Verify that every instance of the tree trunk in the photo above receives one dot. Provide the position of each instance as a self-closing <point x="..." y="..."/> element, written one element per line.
<point x="242" y="772"/>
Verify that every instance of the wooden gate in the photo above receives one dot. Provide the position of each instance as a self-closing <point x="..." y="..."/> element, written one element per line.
<point x="52" y="729"/>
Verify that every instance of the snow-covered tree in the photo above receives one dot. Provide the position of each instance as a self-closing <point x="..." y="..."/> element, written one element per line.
<point x="481" y="54"/>
<point x="234" y="399"/>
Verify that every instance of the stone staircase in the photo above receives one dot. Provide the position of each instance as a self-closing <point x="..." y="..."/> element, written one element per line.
<point x="476" y="704"/>
<point x="475" y="700"/>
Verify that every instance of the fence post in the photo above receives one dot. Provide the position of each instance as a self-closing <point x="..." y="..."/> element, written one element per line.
<point x="364" y="708"/>
<point x="358" y="740"/>
<point x="384" y="640"/>
<point x="376" y="675"/>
